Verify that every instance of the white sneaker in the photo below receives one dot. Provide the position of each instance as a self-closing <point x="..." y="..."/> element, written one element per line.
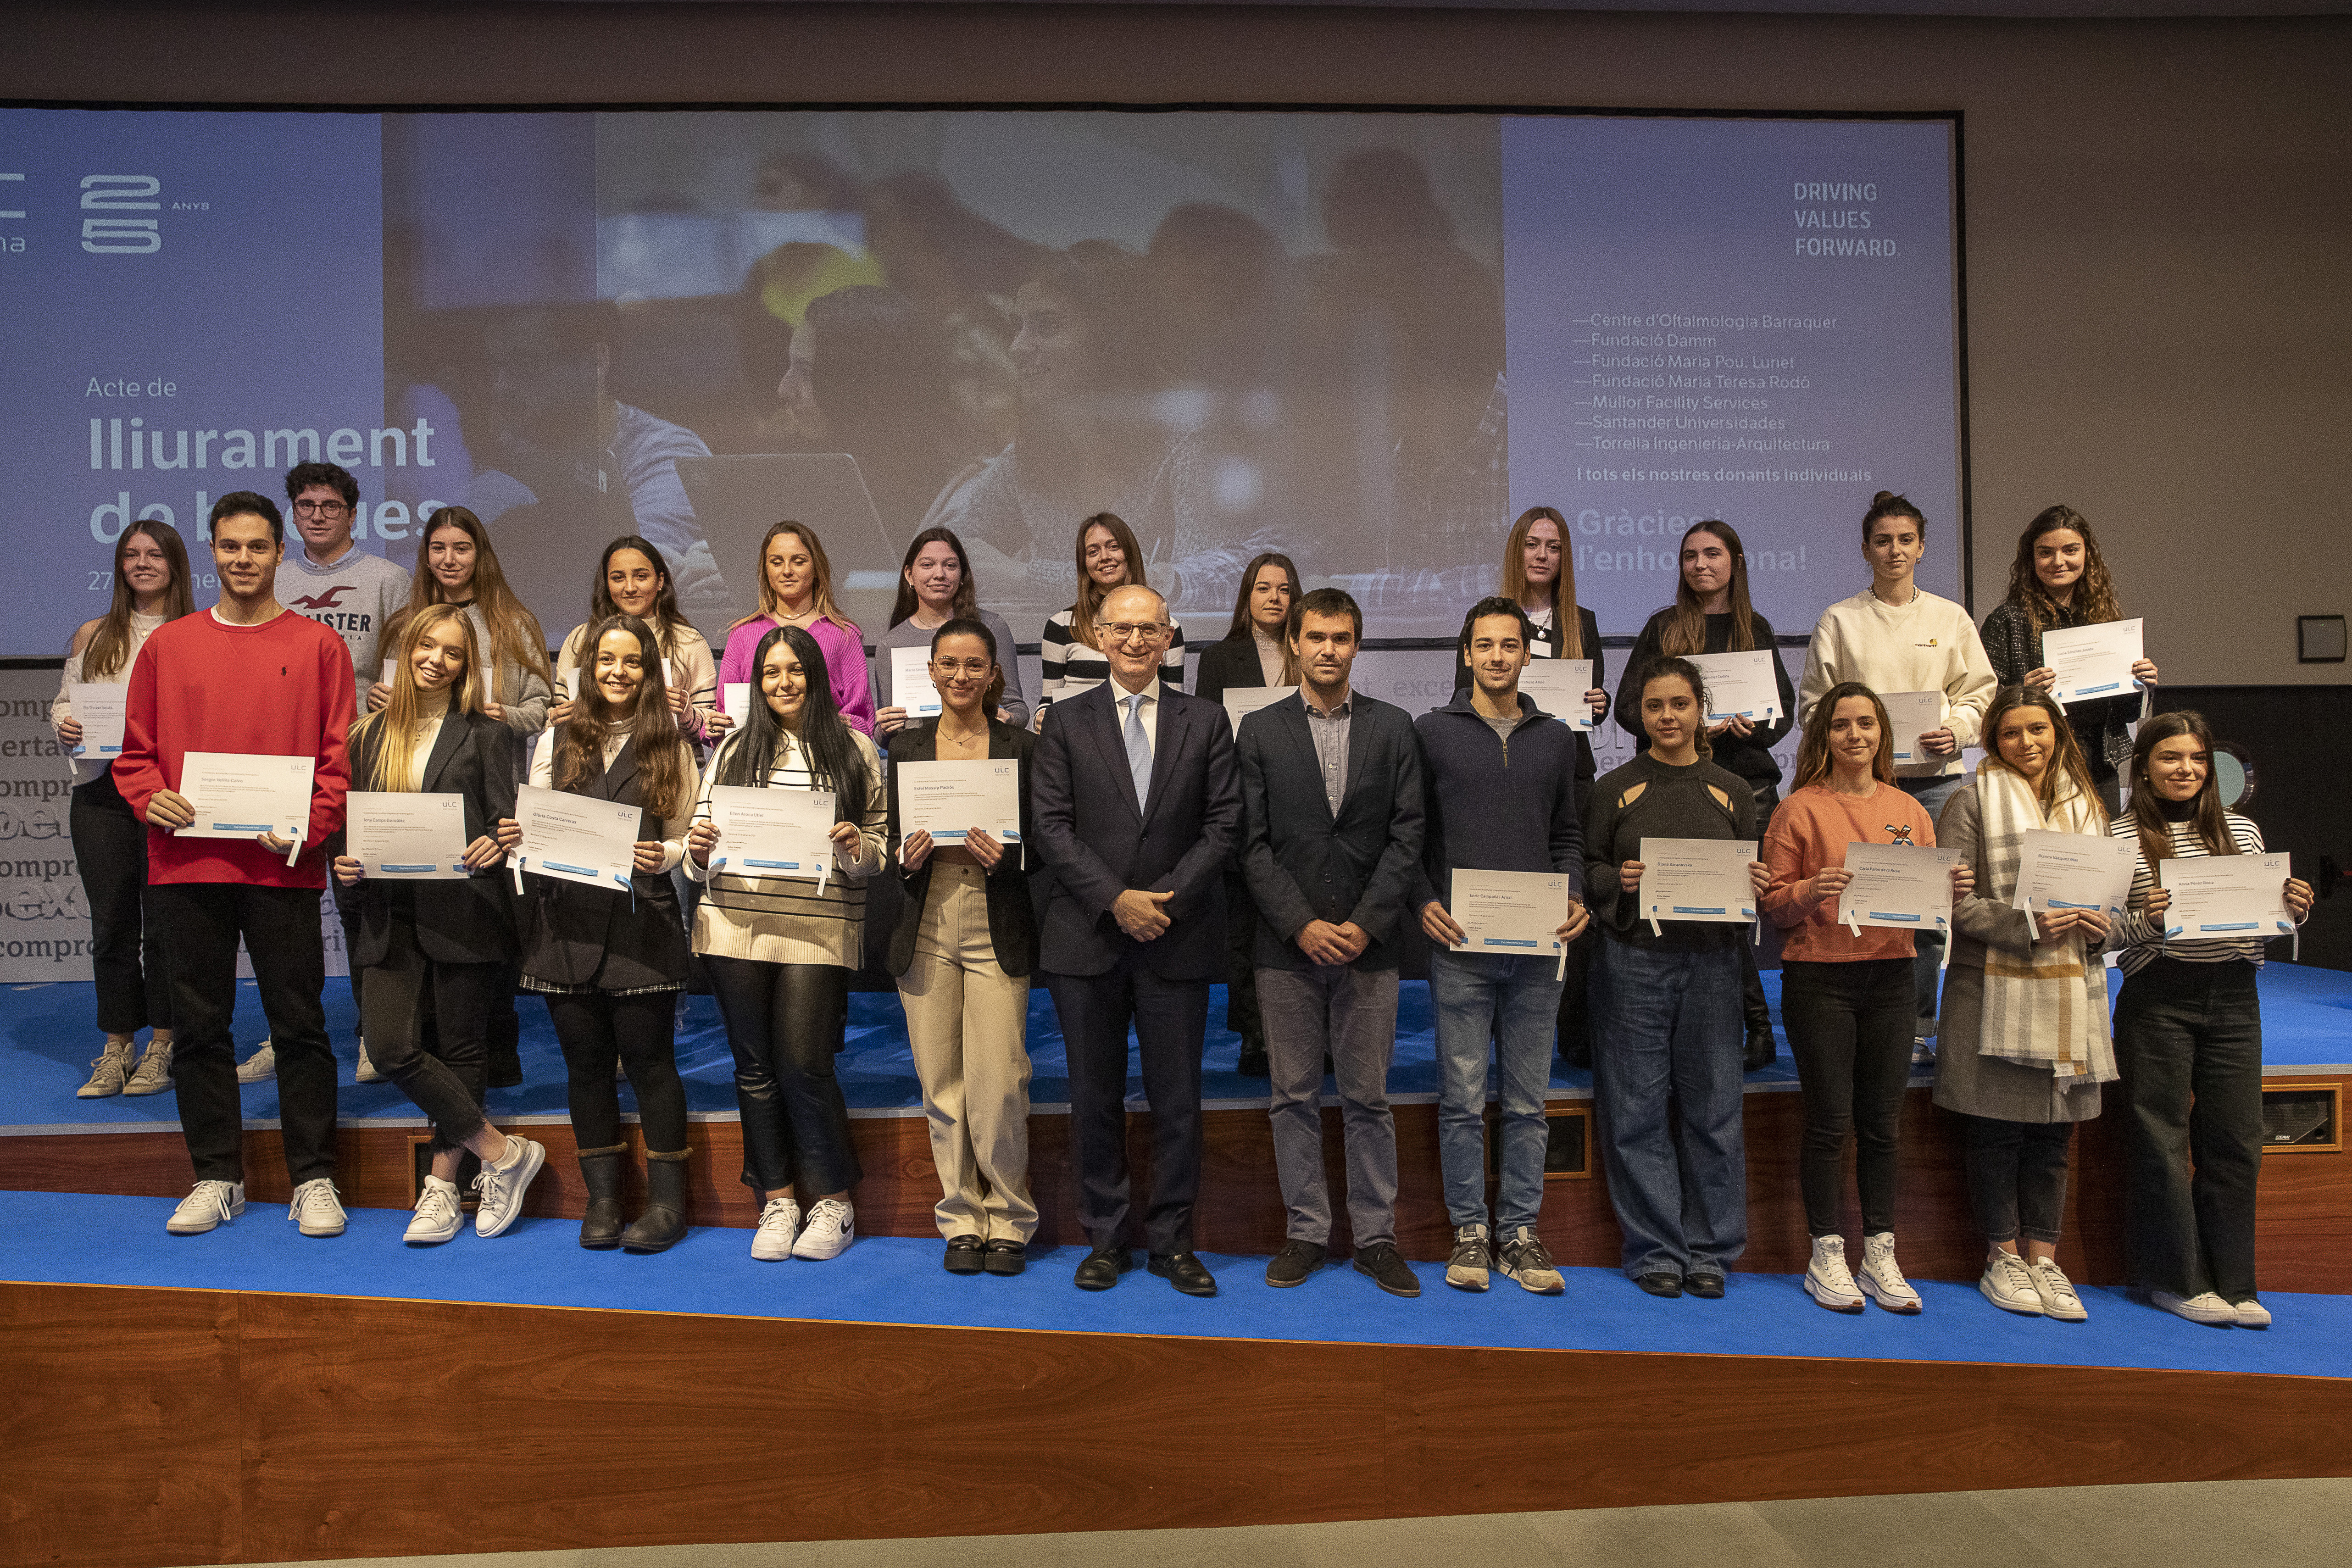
<point x="209" y="1204"/>
<point x="2202" y="1307"/>
<point x="260" y="1066"/>
<point x="831" y="1227"/>
<point x="2008" y="1285"/>
<point x="1881" y="1280"/>
<point x="153" y="1073"/>
<point x="437" y="1216"/>
<point x="107" y="1072"/>
<point x="366" y="1072"/>
<point x="316" y="1209"/>
<point x="1923" y="1050"/>
<point x="2253" y="1314"/>
<point x="1828" y="1280"/>
<point x="2057" y="1293"/>
<point x="501" y="1187"/>
<point x="780" y="1222"/>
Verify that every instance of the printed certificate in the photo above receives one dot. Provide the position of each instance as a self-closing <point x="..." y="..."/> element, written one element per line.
<point x="1558" y="686"/>
<point x="1241" y="701"/>
<point x="408" y="837"/>
<point x="1697" y="880"/>
<point x="950" y="799"/>
<point x="2075" y="871"/>
<point x="735" y="701"/>
<point x="1510" y="913"/>
<point x="1898" y="885"/>
<point x="910" y="682"/>
<point x="2226" y="895"/>
<point x="1740" y="685"/>
<point x="1910" y="715"/>
<point x="2093" y="661"/>
<point x="773" y="832"/>
<point x="100" y="708"/>
<point x="574" y="837"/>
<point x="237" y="795"/>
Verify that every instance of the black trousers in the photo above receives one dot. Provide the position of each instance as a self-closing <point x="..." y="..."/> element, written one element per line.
<point x="347" y="915"/>
<point x="1575" y="999"/>
<point x="1169" y="1018"/>
<point x="2017" y="1177"/>
<point x="784" y="1024"/>
<point x="424" y="1024"/>
<point x="595" y="1028"/>
<point x="126" y="951"/>
<point x="1753" y="1009"/>
<point x="1241" y="968"/>
<point x="1850" y="1031"/>
<point x="200" y="924"/>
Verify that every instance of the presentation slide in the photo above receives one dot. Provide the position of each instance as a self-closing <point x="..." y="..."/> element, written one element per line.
<point x="1367" y="341"/>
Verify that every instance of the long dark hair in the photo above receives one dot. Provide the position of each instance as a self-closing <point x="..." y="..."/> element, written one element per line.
<point x="665" y="788"/>
<point x="2068" y="764"/>
<point x="825" y="742"/>
<point x="966" y="596"/>
<point x="1813" y="750"/>
<point x="1678" y="670"/>
<point x="1686" y="629"/>
<point x="666" y="618"/>
<point x="2094" y="595"/>
<point x="1092" y="593"/>
<point x="1242" y="624"/>
<point x="2212" y="820"/>
<point x="1886" y="504"/>
<point x="110" y="644"/>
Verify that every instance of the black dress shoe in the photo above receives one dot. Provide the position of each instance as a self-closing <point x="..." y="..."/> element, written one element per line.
<point x="965" y="1254"/>
<point x="1103" y="1267"/>
<point x="1007" y="1257"/>
<point x="1293" y="1264"/>
<point x="1254" y="1063"/>
<point x="1761" y="1047"/>
<point x="1665" y="1285"/>
<point x="1705" y="1287"/>
<point x="1184" y="1271"/>
<point x="1387" y="1269"/>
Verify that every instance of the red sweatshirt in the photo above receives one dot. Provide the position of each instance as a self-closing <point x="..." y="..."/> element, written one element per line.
<point x="281" y="688"/>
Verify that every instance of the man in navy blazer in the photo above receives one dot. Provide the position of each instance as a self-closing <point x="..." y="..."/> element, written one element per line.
<point x="1332" y="837"/>
<point x="1136" y="805"/>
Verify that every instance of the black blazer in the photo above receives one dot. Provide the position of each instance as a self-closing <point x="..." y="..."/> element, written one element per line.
<point x="1590" y="627"/>
<point x="1012" y="923"/>
<point x="1229" y="663"/>
<point x="1302" y="863"/>
<point x="574" y="934"/>
<point x="1098" y="845"/>
<point x="470" y="921"/>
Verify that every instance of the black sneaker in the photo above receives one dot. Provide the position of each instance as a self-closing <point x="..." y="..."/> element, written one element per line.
<point x="1386" y="1269"/>
<point x="1293" y="1264"/>
<point x="965" y="1254"/>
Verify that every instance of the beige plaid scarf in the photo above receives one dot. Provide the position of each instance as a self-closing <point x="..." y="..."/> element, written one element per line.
<point x="2049" y="1007"/>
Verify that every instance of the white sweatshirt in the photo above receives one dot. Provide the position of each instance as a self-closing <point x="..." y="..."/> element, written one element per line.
<point x="1927" y="645"/>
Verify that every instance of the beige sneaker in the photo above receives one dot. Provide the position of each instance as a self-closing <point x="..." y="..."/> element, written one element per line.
<point x="366" y="1072"/>
<point x="260" y="1066"/>
<point x="109" y="1071"/>
<point x="1473" y="1258"/>
<point x="1525" y="1260"/>
<point x="2059" y="1299"/>
<point x="153" y="1073"/>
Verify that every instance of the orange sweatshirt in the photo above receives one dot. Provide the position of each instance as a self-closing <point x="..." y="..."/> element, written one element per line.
<point x="1810" y="830"/>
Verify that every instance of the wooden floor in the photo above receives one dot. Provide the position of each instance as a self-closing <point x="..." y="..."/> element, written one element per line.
<point x="153" y="1427"/>
<point x="2306" y="1230"/>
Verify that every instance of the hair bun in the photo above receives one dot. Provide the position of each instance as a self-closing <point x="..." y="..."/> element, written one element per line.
<point x="1883" y="497"/>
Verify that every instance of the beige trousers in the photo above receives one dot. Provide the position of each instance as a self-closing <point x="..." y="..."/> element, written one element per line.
<point x="967" y="1023"/>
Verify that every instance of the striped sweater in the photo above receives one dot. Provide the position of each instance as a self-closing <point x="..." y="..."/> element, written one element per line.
<point x="783" y="920"/>
<point x="1071" y="668"/>
<point x="2139" y="940"/>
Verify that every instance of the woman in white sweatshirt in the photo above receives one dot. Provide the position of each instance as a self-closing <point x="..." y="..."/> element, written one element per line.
<point x="1895" y="637"/>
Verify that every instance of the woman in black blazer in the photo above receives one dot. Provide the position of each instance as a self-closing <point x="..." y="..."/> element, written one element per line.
<point x="964" y="947"/>
<point x="611" y="962"/>
<point x="436" y="949"/>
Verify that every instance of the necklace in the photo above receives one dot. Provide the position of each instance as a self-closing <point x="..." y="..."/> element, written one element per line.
<point x="1890" y="604"/>
<point x="975" y="741"/>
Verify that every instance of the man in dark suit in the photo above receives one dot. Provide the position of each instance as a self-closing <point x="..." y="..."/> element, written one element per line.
<point x="1331" y="814"/>
<point x="1137" y="805"/>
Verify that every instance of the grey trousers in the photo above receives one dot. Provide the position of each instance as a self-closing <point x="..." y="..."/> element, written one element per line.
<point x="1351" y="1013"/>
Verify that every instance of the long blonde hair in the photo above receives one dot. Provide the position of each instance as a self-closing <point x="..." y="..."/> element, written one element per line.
<point x="515" y="634"/>
<point x="821" y="596"/>
<point x="109" y="640"/>
<point x="393" y="728"/>
<point x="1092" y="593"/>
<point x="1564" y="618"/>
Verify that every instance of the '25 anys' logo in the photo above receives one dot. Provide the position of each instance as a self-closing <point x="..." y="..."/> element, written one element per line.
<point x="122" y="236"/>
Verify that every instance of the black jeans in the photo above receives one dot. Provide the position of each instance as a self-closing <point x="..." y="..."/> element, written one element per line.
<point x="1850" y="1031"/>
<point x="439" y="1068"/>
<point x="1755" y="1012"/>
<point x="1169" y="1018"/>
<point x="595" y="1028"/>
<point x="2189" y="1043"/>
<point x="2017" y="1177"/>
<point x="199" y="924"/>
<point x="1575" y="1018"/>
<point x="785" y="1022"/>
<point x="126" y="949"/>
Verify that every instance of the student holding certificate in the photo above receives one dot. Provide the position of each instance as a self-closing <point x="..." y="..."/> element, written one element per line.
<point x="2059" y="581"/>
<point x="1895" y="636"/>
<point x="436" y="953"/>
<point x="610" y="961"/>
<point x="1255" y="652"/>
<point x="2189" y="1042"/>
<point x="1846" y="991"/>
<point x="633" y="579"/>
<point x="1666" y="1024"/>
<point x="1711" y="614"/>
<point x="2025" y="1043"/>
<point x="271" y="694"/>
<point x="780" y="947"/>
<point x="963" y="949"/>
<point x="935" y="587"/>
<point x="796" y="590"/>
<point x="151" y="589"/>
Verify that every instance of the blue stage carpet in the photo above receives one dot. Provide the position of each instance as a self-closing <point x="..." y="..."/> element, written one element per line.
<point x="65" y="1239"/>
<point x="47" y="1040"/>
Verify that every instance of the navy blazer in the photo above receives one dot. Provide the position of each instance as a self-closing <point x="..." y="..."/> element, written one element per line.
<point x="468" y="921"/>
<point x="1096" y="843"/>
<point x="1012" y="923"/>
<point x="1303" y="863"/>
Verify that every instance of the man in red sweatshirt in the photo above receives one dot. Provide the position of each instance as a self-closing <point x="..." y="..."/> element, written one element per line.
<point x="248" y="677"/>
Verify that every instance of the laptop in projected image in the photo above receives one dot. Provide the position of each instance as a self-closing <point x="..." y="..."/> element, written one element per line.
<point x="737" y="499"/>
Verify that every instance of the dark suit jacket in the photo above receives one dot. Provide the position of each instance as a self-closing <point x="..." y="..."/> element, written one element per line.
<point x="470" y="921"/>
<point x="1229" y="663"/>
<point x="1012" y="923"/>
<point x="1303" y="864"/>
<point x="1098" y="845"/>
<point x="574" y="934"/>
<point x="1590" y="627"/>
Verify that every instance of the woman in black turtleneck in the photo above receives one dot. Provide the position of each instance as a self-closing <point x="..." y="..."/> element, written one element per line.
<point x="1711" y="615"/>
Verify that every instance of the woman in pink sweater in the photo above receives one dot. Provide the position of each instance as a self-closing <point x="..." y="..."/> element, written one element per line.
<point x="796" y="590"/>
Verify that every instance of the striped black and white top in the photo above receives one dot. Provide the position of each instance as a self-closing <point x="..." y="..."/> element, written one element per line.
<point x="2138" y="941"/>
<point x="785" y="919"/>
<point x="1071" y="668"/>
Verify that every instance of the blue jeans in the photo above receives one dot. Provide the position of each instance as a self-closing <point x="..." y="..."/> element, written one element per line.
<point x="1513" y="1003"/>
<point x="1667" y="1028"/>
<point x="1928" y="946"/>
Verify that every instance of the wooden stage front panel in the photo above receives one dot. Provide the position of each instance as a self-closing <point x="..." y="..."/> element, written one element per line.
<point x="149" y="1428"/>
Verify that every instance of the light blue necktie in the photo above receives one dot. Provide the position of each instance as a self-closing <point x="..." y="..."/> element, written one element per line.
<point x="1139" y="750"/>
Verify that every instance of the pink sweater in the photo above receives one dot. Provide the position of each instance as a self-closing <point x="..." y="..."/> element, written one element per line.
<point x="845" y="665"/>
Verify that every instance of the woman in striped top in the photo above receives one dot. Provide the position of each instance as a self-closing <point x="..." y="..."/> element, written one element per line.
<point x="1108" y="558"/>
<point x="781" y="949"/>
<point x="2188" y="1043"/>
